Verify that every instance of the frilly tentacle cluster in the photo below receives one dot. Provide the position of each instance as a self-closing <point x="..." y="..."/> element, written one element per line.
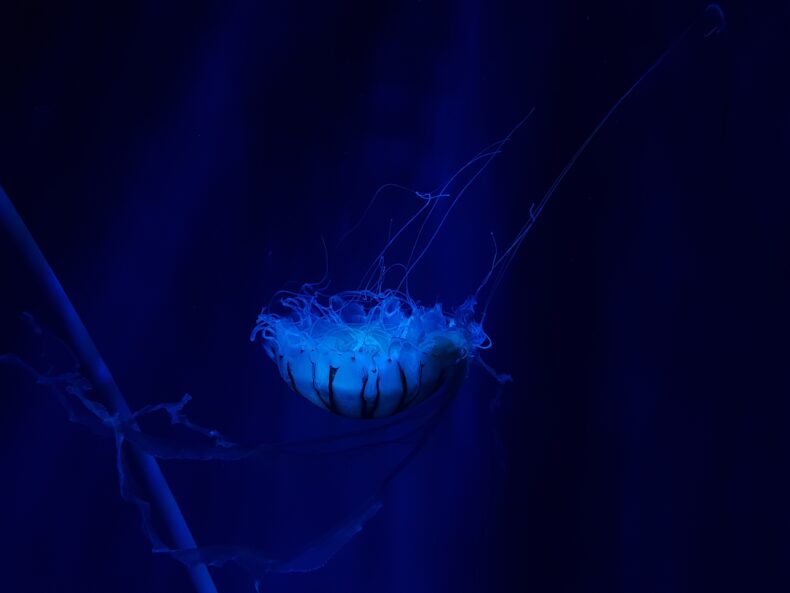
<point x="377" y="323"/>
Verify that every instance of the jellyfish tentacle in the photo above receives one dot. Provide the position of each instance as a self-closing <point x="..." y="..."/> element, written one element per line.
<point x="89" y="356"/>
<point x="489" y="157"/>
<point x="503" y="261"/>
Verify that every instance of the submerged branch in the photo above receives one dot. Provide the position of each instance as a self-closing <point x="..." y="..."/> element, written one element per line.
<point x="103" y="382"/>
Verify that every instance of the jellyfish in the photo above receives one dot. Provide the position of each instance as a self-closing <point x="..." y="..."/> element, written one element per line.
<point x="375" y="353"/>
<point x="367" y="354"/>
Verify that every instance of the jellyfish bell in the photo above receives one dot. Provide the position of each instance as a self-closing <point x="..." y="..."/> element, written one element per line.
<point x="366" y="354"/>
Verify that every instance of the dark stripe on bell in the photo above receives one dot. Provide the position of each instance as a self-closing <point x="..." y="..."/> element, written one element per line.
<point x="405" y="403"/>
<point x="291" y="377"/>
<point x="317" y="390"/>
<point x="378" y="397"/>
<point x="332" y="403"/>
<point x="419" y="385"/>
<point x="363" y="405"/>
<point x="404" y="384"/>
<point x="369" y="410"/>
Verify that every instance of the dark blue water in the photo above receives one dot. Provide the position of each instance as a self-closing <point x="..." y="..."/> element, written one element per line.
<point x="179" y="164"/>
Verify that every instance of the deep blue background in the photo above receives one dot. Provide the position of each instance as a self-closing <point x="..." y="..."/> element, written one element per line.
<point x="179" y="164"/>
